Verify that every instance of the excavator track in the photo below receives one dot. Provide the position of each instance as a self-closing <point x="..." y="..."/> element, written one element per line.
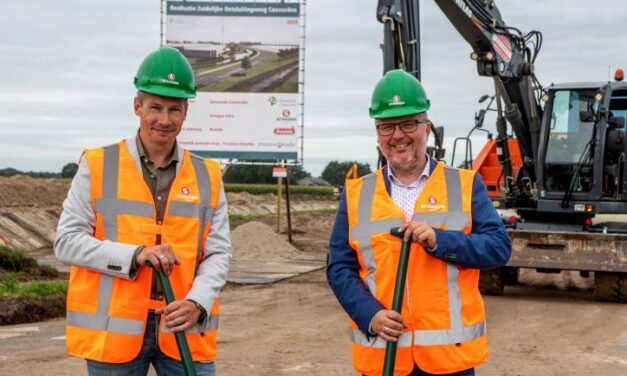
<point x="491" y="283"/>
<point x="610" y="287"/>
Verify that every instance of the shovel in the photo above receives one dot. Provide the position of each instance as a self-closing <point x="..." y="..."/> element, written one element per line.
<point x="397" y="300"/>
<point x="181" y="341"/>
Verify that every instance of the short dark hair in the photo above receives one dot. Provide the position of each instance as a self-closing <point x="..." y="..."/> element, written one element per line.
<point x="140" y="97"/>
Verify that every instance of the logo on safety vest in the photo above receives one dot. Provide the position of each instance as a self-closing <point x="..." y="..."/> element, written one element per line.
<point x="432" y="205"/>
<point x="396" y="101"/>
<point x="186" y="196"/>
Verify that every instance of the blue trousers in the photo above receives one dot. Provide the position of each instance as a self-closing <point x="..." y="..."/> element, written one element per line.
<point x="149" y="353"/>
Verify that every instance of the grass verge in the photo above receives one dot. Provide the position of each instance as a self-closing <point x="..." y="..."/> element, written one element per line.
<point x="257" y="189"/>
<point x="14" y="260"/>
<point x="10" y="286"/>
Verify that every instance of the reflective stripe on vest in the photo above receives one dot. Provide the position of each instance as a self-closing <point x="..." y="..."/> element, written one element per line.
<point x="453" y="219"/>
<point x="110" y="207"/>
<point x="205" y="213"/>
<point x="358" y="338"/>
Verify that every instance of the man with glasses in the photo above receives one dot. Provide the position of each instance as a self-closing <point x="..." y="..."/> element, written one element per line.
<point x="454" y="232"/>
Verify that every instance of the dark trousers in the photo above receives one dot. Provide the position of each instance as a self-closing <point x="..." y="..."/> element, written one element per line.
<point x="418" y="372"/>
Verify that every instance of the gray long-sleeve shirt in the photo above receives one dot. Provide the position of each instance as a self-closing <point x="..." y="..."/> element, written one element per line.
<point x="76" y="245"/>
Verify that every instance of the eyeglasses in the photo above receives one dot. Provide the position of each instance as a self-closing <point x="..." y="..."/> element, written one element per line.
<point x="407" y="126"/>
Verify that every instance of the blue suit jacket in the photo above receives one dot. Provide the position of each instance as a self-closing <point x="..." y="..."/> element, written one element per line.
<point x="487" y="247"/>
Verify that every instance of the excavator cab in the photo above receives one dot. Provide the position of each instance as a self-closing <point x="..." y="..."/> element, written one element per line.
<point x="570" y="140"/>
<point x="581" y="157"/>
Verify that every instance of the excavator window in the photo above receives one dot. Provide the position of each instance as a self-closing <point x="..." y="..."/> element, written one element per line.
<point x="614" y="152"/>
<point x="568" y="160"/>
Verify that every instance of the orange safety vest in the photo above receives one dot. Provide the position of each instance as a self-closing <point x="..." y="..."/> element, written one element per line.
<point x="106" y="316"/>
<point x="442" y="306"/>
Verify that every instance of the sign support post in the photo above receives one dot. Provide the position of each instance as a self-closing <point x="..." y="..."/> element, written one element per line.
<point x="278" y="205"/>
<point x="279" y="172"/>
<point x="287" y="206"/>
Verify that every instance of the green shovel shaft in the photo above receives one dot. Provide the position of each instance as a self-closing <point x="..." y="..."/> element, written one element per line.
<point x="397" y="300"/>
<point x="181" y="341"/>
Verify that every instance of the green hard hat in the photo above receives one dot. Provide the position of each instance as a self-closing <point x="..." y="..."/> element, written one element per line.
<point x="167" y="73"/>
<point x="398" y="93"/>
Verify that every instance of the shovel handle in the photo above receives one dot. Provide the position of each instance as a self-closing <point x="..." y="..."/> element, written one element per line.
<point x="181" y="340"/>
<point x="397" y="301"/>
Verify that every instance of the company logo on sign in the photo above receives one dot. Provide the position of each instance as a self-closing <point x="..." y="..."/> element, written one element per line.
<point x="396" y="101"/>
<point x="286" y="115"/>
<point x="284" y="131"/>
<point x="272" y="100"/>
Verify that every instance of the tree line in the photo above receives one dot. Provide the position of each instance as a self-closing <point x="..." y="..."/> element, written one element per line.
<point x="67" y="172"/>
<point x="334" y="173"/>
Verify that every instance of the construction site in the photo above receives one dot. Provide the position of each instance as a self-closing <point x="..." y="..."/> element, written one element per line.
<point x="547" y="324"/>
<point x="553" y="166"/>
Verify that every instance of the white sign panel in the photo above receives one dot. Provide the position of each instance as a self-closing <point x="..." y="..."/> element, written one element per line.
<point x="245" y="57"/>
<point x="279" y="172"/>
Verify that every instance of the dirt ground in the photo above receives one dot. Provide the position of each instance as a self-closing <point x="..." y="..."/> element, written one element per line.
<point x="548" y="325"/>
<point x="296" y="327"/>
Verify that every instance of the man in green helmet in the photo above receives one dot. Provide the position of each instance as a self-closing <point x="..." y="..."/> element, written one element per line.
<point x="140" y="204"/>
<point x="453" y="229"/>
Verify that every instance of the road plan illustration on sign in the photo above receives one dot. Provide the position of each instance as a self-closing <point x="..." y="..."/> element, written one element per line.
<point x="245" y="57"/>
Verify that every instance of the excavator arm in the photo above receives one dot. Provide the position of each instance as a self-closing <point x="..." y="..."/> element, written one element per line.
<point x="401" y="50"/>
<point x="401" y="35"/>
<point x="507" y="55"/>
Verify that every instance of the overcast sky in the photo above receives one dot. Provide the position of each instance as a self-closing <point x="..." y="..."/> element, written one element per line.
<point x="67" y="69"/>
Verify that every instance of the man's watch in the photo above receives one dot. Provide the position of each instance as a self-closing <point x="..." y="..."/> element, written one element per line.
<point x="203" y="313"/>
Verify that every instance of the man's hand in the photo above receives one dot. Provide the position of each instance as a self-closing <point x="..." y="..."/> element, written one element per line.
<point x="180" y="315"/>
<point x="421" y="232"/>
<point x="388" y="325"/>
<point x="161" y="257"/>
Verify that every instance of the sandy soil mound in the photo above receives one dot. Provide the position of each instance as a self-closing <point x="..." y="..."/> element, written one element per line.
<point x="258" y="241"/>
<point x="22" y="190"/>
<point x="245" y="198"/>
